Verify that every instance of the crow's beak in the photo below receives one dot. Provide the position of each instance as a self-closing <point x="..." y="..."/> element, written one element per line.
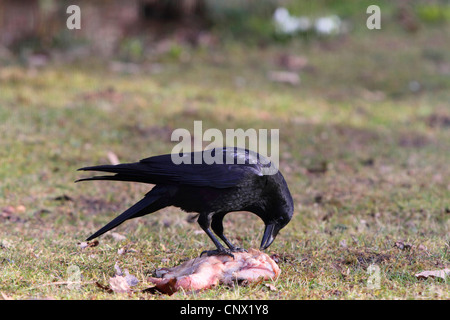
<point x="269" y="235"/>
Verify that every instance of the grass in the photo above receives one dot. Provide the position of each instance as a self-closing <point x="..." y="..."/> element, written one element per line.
<point x="382" y="147"/>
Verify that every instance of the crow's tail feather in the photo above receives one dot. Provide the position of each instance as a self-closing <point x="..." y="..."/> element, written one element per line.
<point x="133" y="172"/>
<point x="117" y="177"/>
<point x="153" y="201"/>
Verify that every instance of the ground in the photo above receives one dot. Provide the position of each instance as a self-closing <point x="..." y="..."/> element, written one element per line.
<point x="364" y="144"/>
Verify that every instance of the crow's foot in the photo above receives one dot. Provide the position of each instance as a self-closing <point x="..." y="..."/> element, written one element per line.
<point x="236" y="249"/>
<point x="217" y="252"/>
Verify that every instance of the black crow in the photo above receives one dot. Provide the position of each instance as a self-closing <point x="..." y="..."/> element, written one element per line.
<point x="211" y="183"/>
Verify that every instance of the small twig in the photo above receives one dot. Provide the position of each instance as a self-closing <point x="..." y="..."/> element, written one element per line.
<point x="61" y="283"/>
<point x="65" y="282"/>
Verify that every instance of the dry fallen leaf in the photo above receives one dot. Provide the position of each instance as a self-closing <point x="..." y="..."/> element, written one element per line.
<point x="271" y="287"/>
<point x="291" y="78"/>
<point x="119" y="284"/>
<point x="117" y="236"/>
<point x="433" y="274"/>
<point x="82" y="245"/>
<point x="101" y="286"/>
<point x="168" y="287"/>
<point x="402" y="245"/>
<point x="130" y="279"/>
<point x="88" y="244"/>
<point x="125" y="250"/>
<point x="92" y="244"/>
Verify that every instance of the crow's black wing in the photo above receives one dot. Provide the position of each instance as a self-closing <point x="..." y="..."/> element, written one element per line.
<point x="236" y="165"/>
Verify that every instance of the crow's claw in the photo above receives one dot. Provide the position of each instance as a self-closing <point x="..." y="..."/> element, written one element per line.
<point x="223" y="252"/>
<point x="236" y="249"/>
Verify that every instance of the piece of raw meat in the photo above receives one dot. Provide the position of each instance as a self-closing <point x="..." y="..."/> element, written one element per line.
<point x="208" y="271"/>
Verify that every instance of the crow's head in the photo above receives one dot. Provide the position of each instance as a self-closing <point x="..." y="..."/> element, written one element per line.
<point x="279" y="218"/>
<point x="278" y="209"/>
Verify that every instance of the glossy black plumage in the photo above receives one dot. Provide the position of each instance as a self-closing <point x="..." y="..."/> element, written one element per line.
<point x="242" y="181"/>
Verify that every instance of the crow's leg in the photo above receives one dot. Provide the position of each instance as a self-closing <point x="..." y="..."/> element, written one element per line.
<point x="204" y="220"/>
<point x="217" y="227"/>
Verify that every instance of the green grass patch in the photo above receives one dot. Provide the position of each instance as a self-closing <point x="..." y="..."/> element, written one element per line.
<point x="363" y="149"/>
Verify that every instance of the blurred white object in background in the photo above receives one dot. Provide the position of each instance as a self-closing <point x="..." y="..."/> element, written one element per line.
<point x="288" y="24"/>
<point x="328" y="25"/>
